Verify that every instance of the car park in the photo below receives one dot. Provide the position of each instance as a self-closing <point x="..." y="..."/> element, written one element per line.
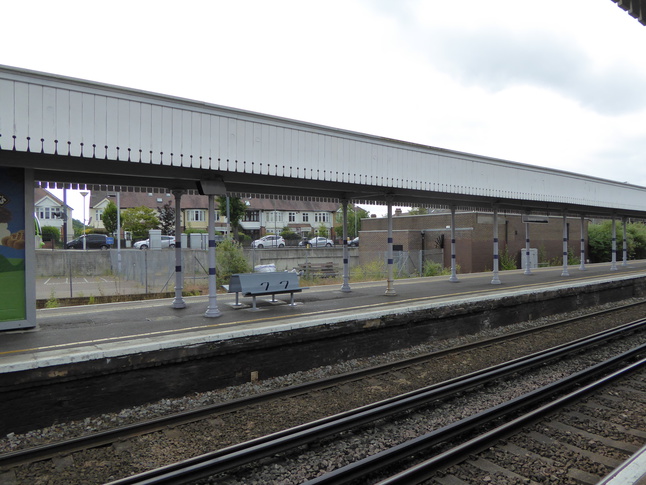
<point x="317" y="242"/>
<point x="92" y="241"/>
<point x="166" y="242"/>
<point x="269" y="241"/>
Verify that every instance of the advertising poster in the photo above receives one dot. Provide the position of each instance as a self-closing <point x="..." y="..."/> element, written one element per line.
<point x="12" y="245"/>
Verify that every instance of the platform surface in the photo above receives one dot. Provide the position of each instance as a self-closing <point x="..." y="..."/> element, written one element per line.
<point x="72" y="334"/>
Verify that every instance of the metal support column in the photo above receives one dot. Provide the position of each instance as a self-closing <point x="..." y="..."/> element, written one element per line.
<point x="454" y="276"/>
<point x="390" y="290"/>
<point x="582" y="265"/>
<point x="613" y="266"/>
<point x="496" y="278"/>
<point x="178" y="302"/>
<point x="625" y="256"/>
<point x="528" y="264"/>
<point x="565" y="240"/>
<point x="212" y="310"/>
<point x="345" y="287"/>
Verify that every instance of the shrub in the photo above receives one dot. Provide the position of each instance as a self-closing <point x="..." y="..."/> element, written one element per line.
<point x="507" y="261"/>
<point x="230" y="259"/>
<point x="51" y="233"/>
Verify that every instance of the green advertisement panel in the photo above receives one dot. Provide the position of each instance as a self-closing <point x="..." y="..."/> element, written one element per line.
<point x="12" y="244"/>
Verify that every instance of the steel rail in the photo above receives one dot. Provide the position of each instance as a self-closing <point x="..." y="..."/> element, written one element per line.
<point x="228" y="458"/>
<point x="426" y="469"/>
<point x="129" y="431"/>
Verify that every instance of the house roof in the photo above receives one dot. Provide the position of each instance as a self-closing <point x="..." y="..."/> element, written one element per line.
<point x="188" y="201"/>
<point x="40" y="194"/>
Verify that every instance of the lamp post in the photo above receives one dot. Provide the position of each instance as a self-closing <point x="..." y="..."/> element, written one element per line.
<point x="84" y="195"/>
<point x="118" y="196"/>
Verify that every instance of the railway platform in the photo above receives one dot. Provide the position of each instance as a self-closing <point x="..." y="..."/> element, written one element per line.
<point x="75" y="334"/>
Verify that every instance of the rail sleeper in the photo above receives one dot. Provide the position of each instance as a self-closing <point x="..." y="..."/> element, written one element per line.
<point x="258" y="284"/>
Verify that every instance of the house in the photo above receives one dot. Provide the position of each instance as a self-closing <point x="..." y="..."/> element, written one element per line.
<point x="270" y="216"/>
<point x="263" y="216"/>
<point x="474" y="236"/>
<point x="51" y="211"/>
<point x="194" y="207"/>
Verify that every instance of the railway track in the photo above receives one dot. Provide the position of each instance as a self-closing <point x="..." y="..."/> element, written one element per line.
<point x="212" y="465"/>
<point x="113" y="437"/>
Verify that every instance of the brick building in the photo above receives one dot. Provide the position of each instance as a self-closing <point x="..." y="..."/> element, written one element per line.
<point x="474" y="236"/>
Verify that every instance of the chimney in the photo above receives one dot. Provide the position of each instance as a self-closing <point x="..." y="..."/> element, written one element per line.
<point x="398" y="212"/>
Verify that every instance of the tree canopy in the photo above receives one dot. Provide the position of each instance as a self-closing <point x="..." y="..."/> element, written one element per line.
<point x="355" y="214"/>
<point x="237" y="209"/>
<point x="139" y="220"/>
<point x="109" y="218"/>
<point x="600" y="241"/>
<point x="166" y="215"/>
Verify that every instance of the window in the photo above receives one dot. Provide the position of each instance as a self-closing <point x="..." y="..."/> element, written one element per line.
<point x="251" y="216"/>
<point x="306" y="217"/>
<point x="274" y="216"/>
<point x="322" y="217"/>
<point x="292" y="217"/>
<point x="49" y="213"/>
<point x="99" y="214"/>
<point x="195" y="215"/>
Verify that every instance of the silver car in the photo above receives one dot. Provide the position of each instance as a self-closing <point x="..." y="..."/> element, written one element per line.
<point x="166" y="242"/>
<point x="270" y="241"/>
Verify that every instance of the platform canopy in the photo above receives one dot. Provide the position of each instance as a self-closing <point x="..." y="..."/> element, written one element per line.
<point x="635" y="8"/>
<point x="105" y="137"/>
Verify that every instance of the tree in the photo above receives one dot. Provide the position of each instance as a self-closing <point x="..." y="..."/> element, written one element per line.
<point x="418" y="211"/>
<point x="77" y="226"/>
<point x="139" y="220"/>
<point x="600" y="240"/>
<point x="237" y="209"/>
<point x="109" y="218"/>
<point x="167" y="218"/>
<point x="355" y="214"/>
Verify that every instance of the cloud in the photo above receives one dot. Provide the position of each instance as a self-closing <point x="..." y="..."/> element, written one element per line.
<point x="498" y="60"/>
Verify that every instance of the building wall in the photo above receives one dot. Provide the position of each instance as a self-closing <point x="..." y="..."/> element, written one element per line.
<point x="474" y="237"/>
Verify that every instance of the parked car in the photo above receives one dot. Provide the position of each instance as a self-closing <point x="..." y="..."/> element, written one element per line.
<point x="92" y="241"/>
<point x="355" y="242"/>
<point x="318" y="242"/>
<point x="166" y="242"/>
<point x="270" y="241"/>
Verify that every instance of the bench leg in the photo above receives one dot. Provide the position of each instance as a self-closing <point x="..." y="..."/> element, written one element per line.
<point x="291" y="302"/>
<point x="273" y="298"/>
<point x="237" y="303"/>
<point x="253" y="308"/>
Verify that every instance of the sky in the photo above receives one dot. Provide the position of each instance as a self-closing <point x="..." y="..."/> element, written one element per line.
<point x="549" y="83"/>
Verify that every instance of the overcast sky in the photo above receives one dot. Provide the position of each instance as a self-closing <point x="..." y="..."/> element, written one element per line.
<point x="552" y="83"/>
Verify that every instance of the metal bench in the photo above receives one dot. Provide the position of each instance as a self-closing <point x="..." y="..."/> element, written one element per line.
<point x="258" y="284"/>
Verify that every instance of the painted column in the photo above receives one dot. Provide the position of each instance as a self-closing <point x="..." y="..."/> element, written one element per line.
<point x="212" y="310"/>
<point x="582" y="265"/>
<point x="565" y="238"/>
<point x="345" y="287"/>
<point x="17" y="249"/>
<point x="496" y="279"/>
<point x="625" y="259"/>
<point x="178" y="302"/>
<point x="390" y="290"/>
<point x="454" y="276"/>
<point x="528" y="269"/>
<point x="613" y="266"/>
